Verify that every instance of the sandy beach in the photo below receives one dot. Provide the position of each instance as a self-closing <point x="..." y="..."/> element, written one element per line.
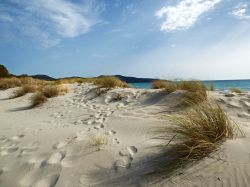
<point x="82" y="139"/>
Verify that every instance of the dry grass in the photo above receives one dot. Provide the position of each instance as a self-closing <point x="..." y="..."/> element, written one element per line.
<point x="110" y="82"/>
<point x="198" y="132"/>
<point x="99" y="141"/>
<point x="196" y="92"/>
<point x="118" y="97"/>
<point x="54" y="90"/>
<point x="159" y="84"/>
<point x="211" y="87"/>
<point x="235" y="90"/>
<point x="48" y="92"/>
<point x="75" y="80"/>
<point x="38" y="99"/>
<point x="25" y="89"/>
<point x="6" y="83"/>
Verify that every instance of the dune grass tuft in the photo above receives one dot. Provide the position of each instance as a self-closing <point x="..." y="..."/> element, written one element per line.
<point x="159" y="84"/>
<point x="235" y="90"/>
<point x="110" y="82"/>
<point x="24" y="90"/>
<point x="6" y="83"/>
<point x="118" y="97"/>
<point x="54" y="90"/>
<point x="198" y="132"/>
<point x="38" y="99"/>
<point x="99" y="141"/>
<point x="48" y="92"/>
<point x="211" y="87"/>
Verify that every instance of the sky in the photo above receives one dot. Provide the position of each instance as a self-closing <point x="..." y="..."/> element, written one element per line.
<point x="170" y="39"/>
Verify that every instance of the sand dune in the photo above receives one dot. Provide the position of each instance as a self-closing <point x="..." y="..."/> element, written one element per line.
<point x="86" y="139"/>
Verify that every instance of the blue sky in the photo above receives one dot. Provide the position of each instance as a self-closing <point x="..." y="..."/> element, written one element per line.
<point x="199" y="39"/>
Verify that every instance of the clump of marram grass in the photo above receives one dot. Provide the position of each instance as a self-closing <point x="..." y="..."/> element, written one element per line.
<point x="54" y="90"/>
<point x="198" y="132"/>
<point x="48" y="92"/>
<point x="98" y="141"/>
<point x="235" y="90"/>
<point x="6" y="83"/>
<point x="38" y="99"/>
<point x="196" y="92"/>
<point x="110" y="82"/>
<point x="75" y="80"/>
<point x="159" y="84"/>
<point x="118" y="97"/>
<point x="211" y="87"/>
<point x="25" y="89"/>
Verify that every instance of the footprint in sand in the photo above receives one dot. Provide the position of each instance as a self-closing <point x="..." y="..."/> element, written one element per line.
<point x="127" y="156"/>
<point x="56" y="158"/>
<point x="32" y="147"/>
<point x="15" y="138"/>
<point x="48" y="181"/>
<point x="60" y="144"/>
<point x="115" y="141"/>
<point x="99" y="127"/>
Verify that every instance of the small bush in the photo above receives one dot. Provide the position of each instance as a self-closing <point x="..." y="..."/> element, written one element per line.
<point x="99" y="141"/>
<point x="6" y="83"/>
<point x="118" y="97"/>
<point x="25" y="89"/>
<point x="199" y="131"/>
<point x="54" y="90"/>
<point x="196" y="92"/>
<point x="235" y="90"/>
<point x="38" y="99"/>
<point x="211" y="87"/>
<point x="110" y="82"/>
<point x="159" y="84"/>
<point x="75" y="80"/>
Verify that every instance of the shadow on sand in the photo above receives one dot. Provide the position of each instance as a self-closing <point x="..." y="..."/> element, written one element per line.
<point x="150" y="170"/>
<point x="20" y="109"/>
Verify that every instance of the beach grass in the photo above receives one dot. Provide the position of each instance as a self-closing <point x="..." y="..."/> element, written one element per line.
<point x="38" y="99"/>
<point x="6" y="83"/>
<point x="118" y="97"/>
<point x="98" y="141"/>
<point x="196" y="133"/>
<point x="235" y="90"/>
<point x="110" y="82"/>
<point x="159" y="84"/>
<point x="25" y="89"/>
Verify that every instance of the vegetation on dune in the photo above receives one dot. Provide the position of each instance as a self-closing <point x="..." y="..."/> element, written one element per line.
<point x="196" y="90"/>
<point x="118" y="97"/>
<point x="54" y="90"/>
<point x="38" y="99"/>
<point x="6" y="83"/>
<point x="75" y="80"/>
<point x="211" y="87"/>
<point x="25" y="89"/>
<point x="110" y="82"/>
<point x="198" y="132"/>
<point x="99" y="141"/>
<point x="159" y="84"/>
<point x="235" y="90"/>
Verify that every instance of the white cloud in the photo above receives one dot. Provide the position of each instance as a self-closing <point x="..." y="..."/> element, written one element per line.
<point x="240" y="12"/>
<point x="184" y="15"/>
<point x="49" y="21"/>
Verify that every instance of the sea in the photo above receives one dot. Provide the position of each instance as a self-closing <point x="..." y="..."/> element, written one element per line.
<point x="221" y="85"/>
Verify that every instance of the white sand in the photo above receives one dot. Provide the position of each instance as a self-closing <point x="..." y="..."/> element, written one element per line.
<point x="57" y="144"/>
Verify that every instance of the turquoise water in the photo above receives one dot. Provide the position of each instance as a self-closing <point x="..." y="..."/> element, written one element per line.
<point x="219" y="84"/>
